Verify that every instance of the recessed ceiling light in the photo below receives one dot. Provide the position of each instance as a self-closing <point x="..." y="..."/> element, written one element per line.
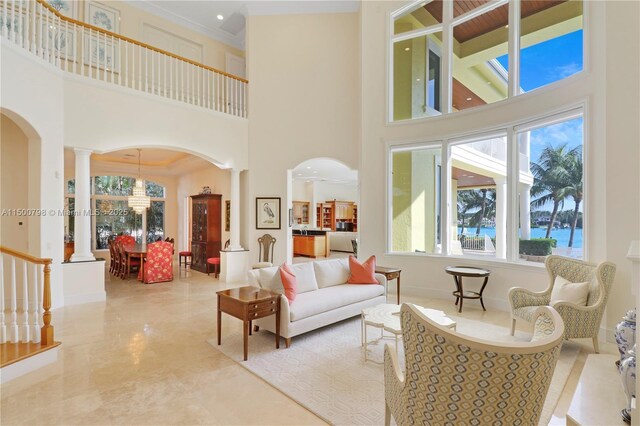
<point x="406" y="49"/>
<point x="315" y="171"/>
<point x="417" y="79"/>
<point x="489" y="83"/>
<point x="220" y="17"/>
<point x="506" y="26"/>
<point x="469" y="99"/>
<point x="308" y="167"/>
<point x="299" y="174"/>
<point x="471" y="176"/>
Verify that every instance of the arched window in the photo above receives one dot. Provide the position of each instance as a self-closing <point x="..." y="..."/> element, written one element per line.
<point x="112" y="216"/>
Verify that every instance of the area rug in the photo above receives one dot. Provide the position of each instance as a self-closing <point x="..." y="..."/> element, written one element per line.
<point x="325" y="372"/>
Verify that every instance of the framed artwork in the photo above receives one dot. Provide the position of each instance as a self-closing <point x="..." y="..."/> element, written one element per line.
<point x="100" y="53"/>
<point x="62" y="40"/>
<point x="68" y="8"/>
<point x="227" y="218"/>
<point x="102" y="16"/>
<point x="267" y="212"/>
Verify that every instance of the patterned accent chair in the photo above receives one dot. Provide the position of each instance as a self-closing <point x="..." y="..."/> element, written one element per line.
<point x="158" y="266"/>
<point x="454" y="379"/>
<point x="126" y="240"/>
<point x="579" y="321"/>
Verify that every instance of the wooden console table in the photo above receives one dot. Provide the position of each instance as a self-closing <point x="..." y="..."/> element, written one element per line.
<point x="247" y="304"/>
<point x="391" y="274"/>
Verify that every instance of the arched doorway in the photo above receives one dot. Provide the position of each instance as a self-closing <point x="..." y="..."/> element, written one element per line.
<point x="325" y="196"/>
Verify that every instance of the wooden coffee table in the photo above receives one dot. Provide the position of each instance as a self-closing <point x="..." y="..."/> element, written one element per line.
<point x="247" y="304"/>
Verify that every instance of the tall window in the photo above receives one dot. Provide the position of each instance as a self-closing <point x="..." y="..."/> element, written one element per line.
<point x="113" y="217"/>
<point x="546" y="165"/>
<point x="415" y="195"/>
<point x="550" y="49"/>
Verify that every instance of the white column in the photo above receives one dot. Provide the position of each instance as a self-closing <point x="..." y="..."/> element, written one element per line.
<point x="501" y="217"/>
<point x="82" y="232"/>
<point x="234" y="225"/>
<point x="525" y="211"/>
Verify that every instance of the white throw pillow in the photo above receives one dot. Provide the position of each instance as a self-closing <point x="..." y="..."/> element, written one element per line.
<point x="331" y="272"/>
<point x="270" y="279"/>
<point x="566" y="291"/>
<point x="305" y="277"/>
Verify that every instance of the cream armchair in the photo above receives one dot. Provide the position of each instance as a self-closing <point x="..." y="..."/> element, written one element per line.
<point x="579" y="321"/>
<point x="450" y="378"/>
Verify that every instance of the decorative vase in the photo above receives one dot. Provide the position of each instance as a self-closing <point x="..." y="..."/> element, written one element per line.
<point x="626" y="334"/>
<point x="628" y="377"/>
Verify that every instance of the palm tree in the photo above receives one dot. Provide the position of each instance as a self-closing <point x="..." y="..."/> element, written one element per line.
<point x="483" y="201"/>
<point x="551" y="180"/>
<point x="573" y="188"/>
<point x="464" y="203"/>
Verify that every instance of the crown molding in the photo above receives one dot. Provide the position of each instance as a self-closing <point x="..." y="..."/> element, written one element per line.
<point x="258" y="8"/>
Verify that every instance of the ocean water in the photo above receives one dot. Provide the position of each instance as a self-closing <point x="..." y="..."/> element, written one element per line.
<point x="561" y="235"/>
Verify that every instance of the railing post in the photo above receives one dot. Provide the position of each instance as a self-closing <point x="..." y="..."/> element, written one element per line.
<point x="46" y="333"/>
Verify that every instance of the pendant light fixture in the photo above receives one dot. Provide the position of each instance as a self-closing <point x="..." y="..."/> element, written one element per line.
<point x="139" y="201"/>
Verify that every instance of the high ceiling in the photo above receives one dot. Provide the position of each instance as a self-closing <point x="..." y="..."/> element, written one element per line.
<point x="201" y="15"/>
<point x="325" y="170"/>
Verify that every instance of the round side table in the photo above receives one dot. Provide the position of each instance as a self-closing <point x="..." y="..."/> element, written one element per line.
<point x="467" y="271"/>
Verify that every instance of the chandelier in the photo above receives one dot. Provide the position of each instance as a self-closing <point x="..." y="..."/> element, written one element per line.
<point x="139" y="201"/>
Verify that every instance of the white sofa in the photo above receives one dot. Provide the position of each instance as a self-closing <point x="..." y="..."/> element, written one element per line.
<point x="323" y="297"/>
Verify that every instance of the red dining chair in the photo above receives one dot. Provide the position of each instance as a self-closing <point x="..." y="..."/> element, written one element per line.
<point x="215" y="262"/>
<point x="158" y="266"/>
<point x="186" y="254"/>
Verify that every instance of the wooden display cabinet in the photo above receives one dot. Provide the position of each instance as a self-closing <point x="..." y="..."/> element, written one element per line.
<point x="206" y="229"/>
<point x="301" y="212"/>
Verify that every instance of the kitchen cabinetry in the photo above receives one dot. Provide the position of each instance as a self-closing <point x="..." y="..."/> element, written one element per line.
<point x="324" y="215"/>
<point x="309" y="245"/>
<point x="206" y="229"/>
<point x="332" y="212"/>
<point x="301" y="212"/>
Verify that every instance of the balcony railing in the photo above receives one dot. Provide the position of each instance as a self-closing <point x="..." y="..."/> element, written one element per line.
<point x="89" y="51"/>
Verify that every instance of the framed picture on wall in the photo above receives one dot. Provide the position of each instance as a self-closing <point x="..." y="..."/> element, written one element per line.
<point x="267" y="212"/>
<point x="227" y="217"/>
<point x="68" y="8"/>
<point x="102" y="16"/>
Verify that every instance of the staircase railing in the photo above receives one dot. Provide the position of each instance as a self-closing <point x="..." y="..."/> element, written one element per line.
<point x="29" y="298"/>
<point x="86" y="50"/>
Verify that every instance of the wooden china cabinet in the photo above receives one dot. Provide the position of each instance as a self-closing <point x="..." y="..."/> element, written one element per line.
<point x="206" y="229"/>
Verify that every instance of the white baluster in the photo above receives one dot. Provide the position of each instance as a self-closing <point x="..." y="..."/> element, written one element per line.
<point x="139" y="67"/>
<point x="153" y="71"/>
<point x="47" y="35"/>
<point x="24" y="17"/>
<point x="105" y="66"/>
<point x="90" y="52"/>
<point x="3" y="326"/>
<point x="35" y="322"/>
<point x="13" y="326"/>
<point x="25" y="304"/>
<point x="126" y="63"/>
<point x="181" y="81"/>
<point x="216" y="90"/>
<point x="65" y="36"/>
<point x="33" y="32"/>
<point x="12" y="23"/>
<point x="146" y="70"/>
<point x="57" y="36"/>
<point x="5" y="19"/>
<point x="119" y="54"/>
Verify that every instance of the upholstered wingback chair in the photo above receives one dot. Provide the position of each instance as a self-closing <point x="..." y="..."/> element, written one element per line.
<point x="450" y="378"/>
<point x="579" y="321"/>
<point x="158" y="266"/>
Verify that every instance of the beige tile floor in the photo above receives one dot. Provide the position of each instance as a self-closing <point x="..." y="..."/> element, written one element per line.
<point x="142" y="358"/>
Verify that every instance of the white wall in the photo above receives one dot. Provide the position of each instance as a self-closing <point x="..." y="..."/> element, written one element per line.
<point x="31" y="96"/>
<point x="305" y="89"/>
<point x="612" y="145"/>
<point x="329" y="191"/>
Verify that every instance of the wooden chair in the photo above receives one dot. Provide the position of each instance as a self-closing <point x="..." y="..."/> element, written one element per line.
<point x="215" y="262"/>
<point x="450" y="378"/>
<point x="112" y="257"/>
<point x="265" y="254"/>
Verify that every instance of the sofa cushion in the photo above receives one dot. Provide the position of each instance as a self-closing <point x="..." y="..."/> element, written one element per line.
<point x="289" y="282"/>
<point x="305" y="276"/>
<point x="328" y="298"/>
<point x="270" y="279"/>
<point x="362" y="273"/>
<point x="331" y="272"/>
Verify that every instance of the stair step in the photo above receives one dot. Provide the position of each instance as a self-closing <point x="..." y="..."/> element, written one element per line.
<point x="13" y="352"/>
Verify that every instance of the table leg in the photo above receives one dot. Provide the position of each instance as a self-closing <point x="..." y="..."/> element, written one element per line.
<point x="459" y="279"/>
<point x="455" y="280"/>
<point x="219" y="322"/>
<point x="245" y="332"/>
<point x="250" y="323"/>
<point x="278" y="323"/>
<point x="364" y="329"/>
<point x="398" y="287"/>
<point x="481" y="290"/>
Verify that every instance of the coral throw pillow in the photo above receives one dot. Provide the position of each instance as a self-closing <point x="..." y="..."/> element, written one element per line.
<point x="289" y="282"/>
<point x="362" y="273"/>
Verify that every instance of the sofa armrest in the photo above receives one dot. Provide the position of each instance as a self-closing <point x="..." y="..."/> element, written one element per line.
<point x="382" y="280"/>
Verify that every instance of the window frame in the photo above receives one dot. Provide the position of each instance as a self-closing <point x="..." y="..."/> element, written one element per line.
<point x="511" y="130"/>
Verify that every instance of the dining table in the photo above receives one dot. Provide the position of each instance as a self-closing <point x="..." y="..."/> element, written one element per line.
<point x="139" y="251"/>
